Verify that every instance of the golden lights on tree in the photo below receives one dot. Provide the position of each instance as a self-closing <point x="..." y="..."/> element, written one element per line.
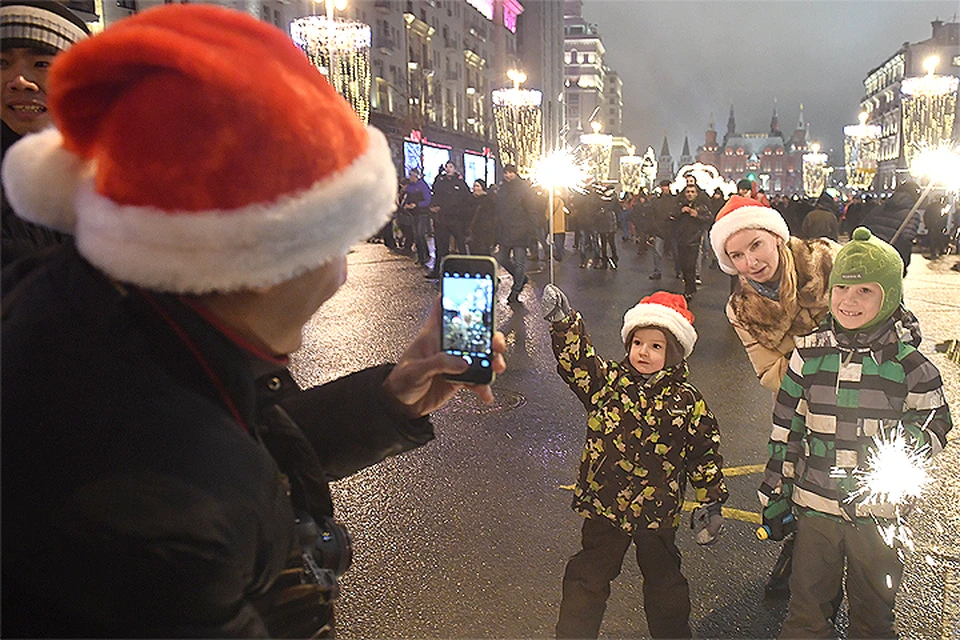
<point x="340" y="49"/>
<point x="861" y="152"/>
<point x="518" y="121"/>
<point x="595" y="152"/>
<point x="929" y="110"/>
<point x="815" y="171"/>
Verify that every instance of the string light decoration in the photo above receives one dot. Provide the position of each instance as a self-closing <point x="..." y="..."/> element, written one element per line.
<point x="928" y="601"/>
<point x="518" y="120"/>
<point x="861" y="150"/>
<point x="814" y="171"/>
<point x="631" y="174"/>
<point x="929" y="110"/>
<point x="649" y="168"/>
<point x="595" y="152"/>
<point x="340" y="49"/>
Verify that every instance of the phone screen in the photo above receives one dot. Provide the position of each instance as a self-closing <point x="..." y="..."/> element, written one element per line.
<point x="468" y="288"/>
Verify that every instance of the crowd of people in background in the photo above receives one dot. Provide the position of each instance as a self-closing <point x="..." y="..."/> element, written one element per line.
<point x="479" y="218"/>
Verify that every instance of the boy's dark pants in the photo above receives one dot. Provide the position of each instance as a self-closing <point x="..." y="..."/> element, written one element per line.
<point x="586" y="582"/>
<point x="873" y="574"/>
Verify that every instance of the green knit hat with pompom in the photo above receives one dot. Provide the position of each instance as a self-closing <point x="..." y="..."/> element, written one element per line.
<point x="868" y="259"/>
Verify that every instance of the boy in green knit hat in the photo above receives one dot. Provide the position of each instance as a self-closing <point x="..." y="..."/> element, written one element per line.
<point x="858" y="376"/>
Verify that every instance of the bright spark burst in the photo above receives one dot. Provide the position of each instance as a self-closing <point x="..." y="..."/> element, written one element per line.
<point x="559" y="170"/>
<point x="940" y="165"/>
<point x="893" y="476"/>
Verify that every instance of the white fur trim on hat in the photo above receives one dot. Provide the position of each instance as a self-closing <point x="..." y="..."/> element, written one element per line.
<point x="41" y="178"/>
<point x="255" y="246"/>
<point x="195" y="252"/>
<point x="746" y="217"/>
<point x="651" y="314"/>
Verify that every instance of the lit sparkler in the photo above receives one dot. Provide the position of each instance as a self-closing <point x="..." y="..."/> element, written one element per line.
<point x="892" y="477"/>
<point x="558" y="170"/>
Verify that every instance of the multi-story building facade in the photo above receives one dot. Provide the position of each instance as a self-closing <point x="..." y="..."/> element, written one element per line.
<point x="772" y="159"/>
<point x="584" y="74"/>
<point x="883" y="99"/>
<point x="593" y="92"/>
<point x="540" y="48"/>
<point x="434" y="64"/>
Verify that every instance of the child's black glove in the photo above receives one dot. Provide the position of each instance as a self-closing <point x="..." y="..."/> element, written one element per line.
<point x="778" y="520"/>
<point x="556" y="304"/>
<point x="707" y="522"/>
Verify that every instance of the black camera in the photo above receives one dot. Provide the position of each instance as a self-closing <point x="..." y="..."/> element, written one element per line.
<point x="327" y="549"/>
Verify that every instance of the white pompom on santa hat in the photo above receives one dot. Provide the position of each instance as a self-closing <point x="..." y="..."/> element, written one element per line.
<point x="196" y="150"/>
<point x="741" y="213"/>
<point x="664" y="310"/>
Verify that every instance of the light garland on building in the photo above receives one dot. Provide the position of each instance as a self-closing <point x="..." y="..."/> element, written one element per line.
<point x="861" y="152"/>
<point x="814" y="172"/>
<point x="340" y="49"/>
<point x="518" y="121"/>
<point x="595" y="152"/>
<point x="929" y="110"/>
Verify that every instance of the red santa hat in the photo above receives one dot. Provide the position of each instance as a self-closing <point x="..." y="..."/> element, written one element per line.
<point x="667" y="311"/>
<point x="197" y="149"/>
<point x="743" y="213"/>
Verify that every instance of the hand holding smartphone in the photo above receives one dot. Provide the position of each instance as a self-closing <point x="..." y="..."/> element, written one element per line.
<point x="468" y="290"/>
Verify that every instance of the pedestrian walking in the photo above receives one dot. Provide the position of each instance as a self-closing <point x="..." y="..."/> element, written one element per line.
<point x="173" y="481"/>
<point x="659" y="228"/>
<point x="857" y="377"/>
<point x="885" y="221"/>
<point x="690" y="219"/>
<point x="649" y="432"/>
<point x="518" y="213"/>
<point x="781" y="293"/>
<point x="415" y="201"/>
<point x="482" y="233"/>
<point x="450" y="206"/>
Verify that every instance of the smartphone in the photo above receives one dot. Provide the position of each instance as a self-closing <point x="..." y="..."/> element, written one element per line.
<point x="468" y="288"/>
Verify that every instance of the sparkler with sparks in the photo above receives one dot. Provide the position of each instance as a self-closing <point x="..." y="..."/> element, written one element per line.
<point x="893" y="476"/>
<point x="558" y="170"/>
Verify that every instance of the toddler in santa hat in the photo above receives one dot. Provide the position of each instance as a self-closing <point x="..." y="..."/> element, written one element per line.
<point x="649" y="430"/>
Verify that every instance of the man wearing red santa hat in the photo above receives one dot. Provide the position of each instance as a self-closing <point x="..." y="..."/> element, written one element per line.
<point x="163" y="475"/>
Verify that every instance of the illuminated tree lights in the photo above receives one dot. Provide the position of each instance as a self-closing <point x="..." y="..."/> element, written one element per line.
<point x="929" y="110"/>
<point x="595" y="152"/>
<point x="815" y="172"/>
<point x="517" y="117"/>
<point x="631" y="174"/>
<point x="340" y="49"/>
<point x="861" y="152"/>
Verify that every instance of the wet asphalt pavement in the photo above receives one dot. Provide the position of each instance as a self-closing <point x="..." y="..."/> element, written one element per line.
<point x="468" y="536"/>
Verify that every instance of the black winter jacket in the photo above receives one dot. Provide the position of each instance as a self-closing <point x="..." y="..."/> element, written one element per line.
<point x="139" y="495"/>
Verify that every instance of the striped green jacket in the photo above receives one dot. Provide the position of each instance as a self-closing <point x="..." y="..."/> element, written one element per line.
<point x="840" y="391"/>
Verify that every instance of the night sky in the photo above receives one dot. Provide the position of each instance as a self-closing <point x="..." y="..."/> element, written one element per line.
<point x="681" y="60"/>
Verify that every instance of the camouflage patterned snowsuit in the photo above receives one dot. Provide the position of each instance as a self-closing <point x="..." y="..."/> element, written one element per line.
<point x="645" y="439"/>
